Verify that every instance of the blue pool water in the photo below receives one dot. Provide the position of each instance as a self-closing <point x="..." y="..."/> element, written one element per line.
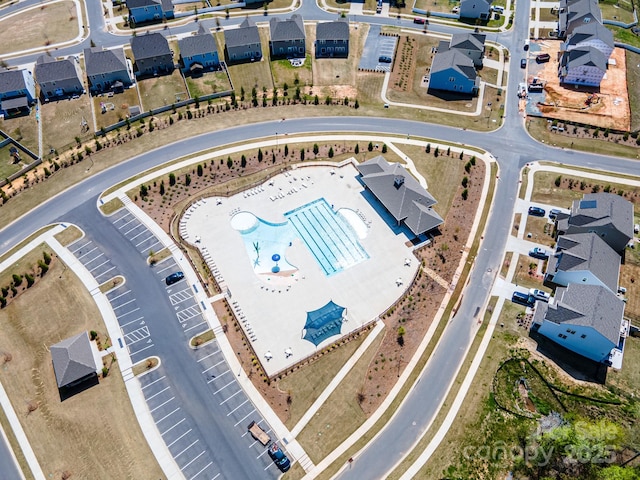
<point x="328" y="236"/>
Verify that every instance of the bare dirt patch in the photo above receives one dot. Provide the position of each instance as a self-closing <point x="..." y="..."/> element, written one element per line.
<point x="62" y="121"/>
<point x="162" y="90"/>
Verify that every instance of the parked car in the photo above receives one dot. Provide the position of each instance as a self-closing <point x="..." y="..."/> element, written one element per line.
<point x="419" y="21"/>
<point x="523" y="299"/>
<point x="384" y="59"/>
<point x="526" y="45"/>
<point x="455" y="10"/>
<point x="539" y="294"/>
<point x="543" y="57"/>
<point x="279" y="458"/>
<point x="523" y="63"/>
<point x="497" y="8"/>
<point x="537" y="211"/>
<point x="538" y="252"/>
<point x="175" y="277"/>
<point x="554" y="212"/>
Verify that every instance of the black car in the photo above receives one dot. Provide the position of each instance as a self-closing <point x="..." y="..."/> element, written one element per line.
<point x="523" y="63"/>
<point x="537" y="211"/>
<point x="523" y="299"/>
<point x="174" y="278"/>
<point x="279" y="458"/>
<point x="384" y="59"/>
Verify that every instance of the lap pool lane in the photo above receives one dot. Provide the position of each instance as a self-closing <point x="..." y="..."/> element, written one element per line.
<point x="198" y="406"/>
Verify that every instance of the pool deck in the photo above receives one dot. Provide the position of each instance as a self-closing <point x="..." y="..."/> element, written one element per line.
<point x="275" y="309"/>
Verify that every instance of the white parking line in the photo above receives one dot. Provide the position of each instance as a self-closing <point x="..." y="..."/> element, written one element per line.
<point x="158" y="393"/>
<point x="195" y="326"/>
<point x="137" y="235"/>
<point x="150" y="237"/>
<point x="220" y="389"/>
<point x="80" y="247"/>
<point x="95" y="268"/>
<point x="141" y="350"/>
<point x="118" y="296"/>
<point x="106" y="271"/>
<point x="214" y="478"/>
<point x="101" y="254"/>
<point x="124" y="225"/>
<point x="149" y="384"/>
<point x="179" y="438"/>
<point x="263" y="453"/>
<point x="132" y="321"/>
<point x="132" y="229"/>
<point x="213" y="366"/>
<point x="219" y="376"/>
<point x="193" y="460"/>
<point x="210" y="355"/>
<point x="196" y="441"/>
<point x="126" y="303"/>
<point x="225" y="401"/>
<point x="245" y="417"/>
<point x="129" y="312"/>
<point x="162" y="404"/>
<point x="238" y="407"/>
<point x="165" y="268"/>
<point x="167" y="415"/>
<point x="172" y="427"/>
<point x="207" y="466"/>
<point x="151" y="246"/>
<point x="82" y="256"/>
<point x="126" y="215"/>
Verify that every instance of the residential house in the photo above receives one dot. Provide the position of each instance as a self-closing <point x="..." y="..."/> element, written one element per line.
<point x="107" y="70"/>
<point x="592" y="34"/>
<point x="287" y="37"/>
<point x="586" y="319"/>
<point x="332" y="39"/>
<point x="73" y="361"/>
<point x="576" y="13"/>
<point x="199" y="52"/>
<point x="143" y="11"/>
<point x="152" y="54"/>
<point x="58" y="78"/>
<point x="243" y="44"/>
<point x="400" y="194"/>
<point x="584" y="66"/>
<point x="453" y="71"/>
<point x="471" y="44"/>
<point x="607" y="214"/>
<point x="17" y="91"/>
<point x="583" y="258"/>
<point x="480" y="9"/>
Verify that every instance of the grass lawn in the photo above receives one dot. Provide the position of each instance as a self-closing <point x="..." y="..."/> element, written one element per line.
<point x="68" y="235"/>
<point x="545" y="15"/>
<point x="505" y="264"/>
<point x="618" y="12"/>
<point x="111" y="206"/>
<point x="93" y="434"/>
<point x="209" y="82"/>
<point x="489" y="75"/>
<point x="624" y="35"/>
<point x="341" y="71"/>
<point x="7" y="165"/>
<point x="522" y="278"/>
<point x="251" y="74"/>
<point x="444" y="6"/>
<point x="283" y="72"/>
<point x="628" y="378"/>
<point x="162" y="90"/>
<point x="23" y="129"/>
<point x="633" y="88"/>
<point x="341" y="414"/>
<point x="304" y="386"/>
<point x="120" y="102"/>
<point x="62" y="121"/>
<point x="540" y="229"/>
<point x="630" y="278"/>
<point x="41" y="26"/>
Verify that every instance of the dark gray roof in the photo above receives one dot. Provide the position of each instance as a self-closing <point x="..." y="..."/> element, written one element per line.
<point x="246" y="34"/>
<point x="456" y="60"/>
<point x="149" y="45"/>
<point x="584" y="57"/>
<point x="589" y="31"/>
<point x="199" y="44"/>
<point x="587" y="251"/>
<point x="401" y="194"/>
<point x="11" y="80"/>
<point x="11" y="103"/>
<point x="601" y="209"/>
<point x="290" y="29"/>
<point x="468" y="41"/>
<point x="48" y="69"/>
<point x="72" y="359"/>
<point x="98" y="61"/>
<point x="142" y="3"/>
<point x="585" y="305"/>
<point x="338" y="30"/>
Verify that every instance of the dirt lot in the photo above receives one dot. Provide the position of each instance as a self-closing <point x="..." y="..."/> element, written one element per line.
<point x="609" y="110"/>
<point x="162" y="90"/>
<point x="120" y="103"/>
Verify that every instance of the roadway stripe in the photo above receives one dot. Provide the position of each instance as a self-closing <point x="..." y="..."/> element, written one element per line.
<point x="196" y="441"/>
<point x="197" y="325"/>
<point x="95" y="268"/>
<point x="150" y="237"/>
<point x="157" y="380"/>
<point x="220" y="389"/>
<point x="80" y="247"/>
<point x="165" y="268"/>
<point x="162" y="404"/>
<point x="106" y="271"/>
<point x="137" y="235"/>
<point x="207" y="466"/>
<point x="151" y="246"/>
<point x="124" y="225"/>
<point x="142" y="349"/>
<point x="82" y="256"/>
<point x="229" y="398"/>
<point x="239" y="406"/>
<point x="158" y="393"/>
<point x="132" y="321"/>
<point x="167" y="415"/>
<point x="245" y="417"/>
<point x="129" y="312"/>
<point x="214" y="365"/>
<point x="172" y="427"/>
<point x="179" y="438"/>
<point x="118" y="296"/>
<point x="210" y="355"/>
<point x="193" y="460"/>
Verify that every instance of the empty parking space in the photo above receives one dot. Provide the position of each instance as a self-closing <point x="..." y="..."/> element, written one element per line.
<point x="377" y="46"/>
<point x="135" y="331"/>
<point x="136" y="232"/>
<point x="93" y="259"/>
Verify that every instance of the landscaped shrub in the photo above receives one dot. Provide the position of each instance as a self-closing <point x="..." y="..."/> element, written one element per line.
<point x="17" y="279"/>
<point x="29" y="279"/>
<point x="46" y="257"/>
<point x="43" y="267"/>
<point x="465" y="194"/>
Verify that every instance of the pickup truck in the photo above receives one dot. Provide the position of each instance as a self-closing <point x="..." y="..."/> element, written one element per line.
<point x="259" y="434"/>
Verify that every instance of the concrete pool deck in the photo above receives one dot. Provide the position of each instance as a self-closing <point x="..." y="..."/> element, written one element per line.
<point x="275" y="311"/>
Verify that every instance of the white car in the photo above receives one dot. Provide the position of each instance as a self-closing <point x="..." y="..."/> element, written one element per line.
<point x="539" y="295"/>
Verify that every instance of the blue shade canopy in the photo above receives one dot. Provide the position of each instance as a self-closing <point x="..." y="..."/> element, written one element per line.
<point x="275" y="257"/>
<point x="323" y="323"/>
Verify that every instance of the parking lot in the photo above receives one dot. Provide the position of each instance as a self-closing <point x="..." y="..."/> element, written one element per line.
<point x="377" y="46"/>
<point x="138" y="234"/>
<point x="94" y="259"/>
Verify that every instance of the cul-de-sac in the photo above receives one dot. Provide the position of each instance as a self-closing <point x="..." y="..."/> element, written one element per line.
<point x="319" y="239"/>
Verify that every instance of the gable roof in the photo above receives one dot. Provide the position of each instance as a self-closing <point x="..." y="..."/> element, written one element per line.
<point x="200" y="44"/>
<point x="588" y="31"/>
<point x="149" y="45"/>
<point x="468" y="41"/>
<point x="11" y="80"/>
<point x="337" y="30"/>
<point x="585" y="56"/>
<point x="588" y="306"/>
<point x="142" y="3"/>
<point x="485" y="7"/>
<point x="72" y="359"/>
<point x="456" y="60"/>
<point x="587" y="251"/>
<point x="289" y="29"/>
<point x="401" y="194"/>
<point x="246" y="34"/>
<point x="48" y="69"/>
<point x="98" y="61"/>
<point x="601" y="209"/>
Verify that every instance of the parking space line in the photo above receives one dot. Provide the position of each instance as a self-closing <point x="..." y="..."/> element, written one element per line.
<point x="127" y="223"/>
<point x="157" y="380"/>
<point x="245" y="417"/>
<point x="172" y="427"/>
<point x="132" y="321"/>
<point x="229" y="398"/>
<point x="179" y="438"/>
<point x="126" y="215"/>
<point x="141" y="350"/>
<point x="162" y="405"/>
<point x="165" y="268"/>
<point x="167" y="415"/>
<point x="193" y="460"/>
<point x="106" y="271"/>
<point x="101" y="254"/>
<point x="195" y="326"/>
<point x="196" y="441"/>
<point x="206" y="466"/>
<point x="82" y="256"/>
<point x="138" y="234"/>
<point x="129" y="312"/>
<point x="264" y="452"/>
<point x="214" y="478"/>
<point x="219" y="376"/>
<point x="210" y="355"/>
<point x="95" y="268"/>
<point x="213" y="366"/>
<point x="145" y="240"/>
<point x="132" y="229"/>
<point x="151" y="246"/>
<point x="238" y="407"/>
<point x="118" y="296"/>
<point x="220" y="389"/>
<point x="126" y="303"/>
<point x="158" y="393"/>
<point x="80" y="247"/>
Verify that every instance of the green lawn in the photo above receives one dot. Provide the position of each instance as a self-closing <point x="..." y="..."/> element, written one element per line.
<point x="625" y="36"/>
<point x="618" y="12"/>
<point x="7" y="165"/>
<point x="210" y="82"/>
<point x="633" y="88"/>
<point x="162" y="90"/>
<point x="283" y="72"/>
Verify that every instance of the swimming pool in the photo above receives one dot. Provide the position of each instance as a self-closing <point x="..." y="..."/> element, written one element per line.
<point x="328" y="236"/>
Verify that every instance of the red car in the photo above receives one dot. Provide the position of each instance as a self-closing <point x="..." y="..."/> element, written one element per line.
<point x="419" y="21"/>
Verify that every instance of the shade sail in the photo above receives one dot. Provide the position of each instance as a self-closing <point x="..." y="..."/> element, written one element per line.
<point x="323" y="323"/>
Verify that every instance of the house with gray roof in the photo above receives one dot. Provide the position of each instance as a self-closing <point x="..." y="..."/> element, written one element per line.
<point x="73" y="361"/>
<point x="453" y="71"/>
<point x="243" y="44"/>
<point x="586" y="319"/>
<point x="400" y="194"/>
<point x="287" y="37"/>
<point x="576" y="13"/>
<point x="584" y="66"/>
<point x="592" y="34"/>
<point x="107" y="69"/>
<point x="17" y="91"/>
<point x="146" y="11"/>
<point x="199" y="52"/>
<point x="583" y="258"/>
<point x="608" y="215"/>
<point x="152" y="54"/>
<point x="469" y="43"/>
<point x="332" y="39"/>
<point x="480" y="9"/>
<point x="58" y="78"/>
